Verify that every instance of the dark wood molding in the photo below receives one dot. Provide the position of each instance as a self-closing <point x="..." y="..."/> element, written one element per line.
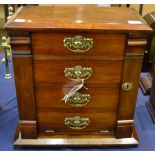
<point x="146" y="83"/>
<point x="137" y="42"/>
<point x="28" y="129"/>
<point x="20" y="42"/>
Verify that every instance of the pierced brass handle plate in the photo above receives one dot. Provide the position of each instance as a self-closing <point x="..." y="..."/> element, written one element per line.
<point x="127" y="86"/>
<point x="78" y="72"/>
<point x="78" y="44"/>
<point x="79" y="100"/>
<point x="77" y="123"/>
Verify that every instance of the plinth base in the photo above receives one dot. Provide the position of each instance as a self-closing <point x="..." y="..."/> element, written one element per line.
<point x="85" y="140"/>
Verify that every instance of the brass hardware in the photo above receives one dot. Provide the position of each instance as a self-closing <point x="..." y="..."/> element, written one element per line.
<point x="10" y="12"/>
<point x="77" y="123"/>
<point x="7" y="51"/>
<point x="127" y="86"/>
<point x="78" y="72"/>
<point x="104" y="131"/>
<point x="79" y="100"/>
<point x="78" y="44"/>
<point x="49" y="131"/>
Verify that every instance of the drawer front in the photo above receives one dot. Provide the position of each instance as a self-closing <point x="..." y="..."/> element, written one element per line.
<point x="76" y="122"/>
<point x="52" y="72"/>
<point x="90" y="100"/>
<point x="108" y="45"/>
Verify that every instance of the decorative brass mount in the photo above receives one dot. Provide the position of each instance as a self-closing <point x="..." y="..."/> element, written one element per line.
<point x="127" y="86"/>
<point x="77" y="122"/>
<point x="79" y="100"/>
<point x="78" y="44"/>
<point x="78" y="72"/>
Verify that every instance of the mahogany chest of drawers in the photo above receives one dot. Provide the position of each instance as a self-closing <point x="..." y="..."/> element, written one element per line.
<point x="76" y="73"/>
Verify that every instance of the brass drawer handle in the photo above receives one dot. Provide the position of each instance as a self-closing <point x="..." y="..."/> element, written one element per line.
<point x="78" y="72"/>
<point x="79" y="100"/>
<point x="127" y="86"/>
<point x="78" y="44"/>
<point x="77" y="122"/>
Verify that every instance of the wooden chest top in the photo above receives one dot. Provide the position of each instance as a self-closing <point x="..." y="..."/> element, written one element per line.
<point x="83" y="17"/>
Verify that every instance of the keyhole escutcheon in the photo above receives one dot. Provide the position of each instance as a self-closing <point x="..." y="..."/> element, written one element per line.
<point x="127" y="86"/>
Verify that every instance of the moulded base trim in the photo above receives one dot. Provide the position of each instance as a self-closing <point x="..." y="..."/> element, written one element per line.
<point x="86" y="140"/>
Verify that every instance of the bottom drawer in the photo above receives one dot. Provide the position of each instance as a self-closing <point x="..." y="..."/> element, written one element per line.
<point x="76" y="122"/>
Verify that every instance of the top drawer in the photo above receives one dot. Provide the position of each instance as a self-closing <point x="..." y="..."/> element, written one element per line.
<point x="52" y="43"/>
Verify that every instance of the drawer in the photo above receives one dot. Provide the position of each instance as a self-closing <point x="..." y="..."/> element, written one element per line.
<point x="76" y="122"/>
<point x="93" y="99"/>
<point x="51" y="43"/>
<point x="51" y="72"/>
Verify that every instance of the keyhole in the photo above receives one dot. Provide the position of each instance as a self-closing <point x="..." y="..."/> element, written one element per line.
<point x="127" y="86"/>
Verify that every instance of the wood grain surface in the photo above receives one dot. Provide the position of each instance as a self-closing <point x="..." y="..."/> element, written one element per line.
<point x="75" y="17"/>
<point x="52" y="72"/>
<point x="51" y="44"/>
